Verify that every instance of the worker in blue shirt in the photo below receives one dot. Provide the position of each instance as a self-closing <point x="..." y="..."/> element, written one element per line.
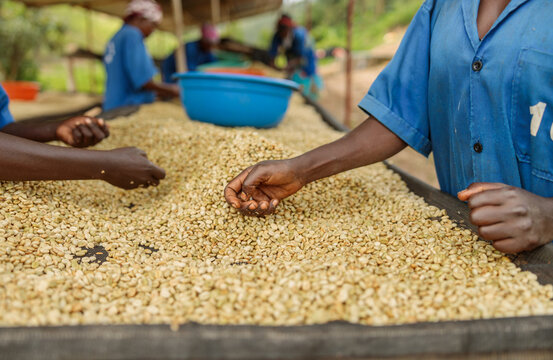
<point x="25" y="158"/>
<point x="129" y="67"/>
<point x="471" y="82"/>
<point x="294" y="41"/>
<point x="199" y="52"/>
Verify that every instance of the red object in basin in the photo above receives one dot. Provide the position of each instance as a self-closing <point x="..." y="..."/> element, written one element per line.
<point x="21" y="90"/>
<point x="230" y="70"/>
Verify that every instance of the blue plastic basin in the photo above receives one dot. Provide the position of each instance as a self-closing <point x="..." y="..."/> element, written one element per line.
<point x="235" y="100"/>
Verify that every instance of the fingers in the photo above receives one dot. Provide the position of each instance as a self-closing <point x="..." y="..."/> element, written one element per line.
<point x="83" y="131"/>
<point x="105" y="127"/>
<point x="269" y="208"/>
<point x="252" y="181"/>
<point x="255" y="208"/>
<point x="243" y="193"/>
<point x="477" y="188"/>
<point x="508" y="246"/>
<point x="154" y="181"/>
<point x="92" y="131"/>
<point x="77" y="137"/>
<point x="88" y="136"/>
<point x="96" y="129"/>
<point x="487" y="198"/>
<point x="487" y="215"/>
<point x="496" y="232"/>
<point x="158" y="173"/>
<point x="234" y="188"/>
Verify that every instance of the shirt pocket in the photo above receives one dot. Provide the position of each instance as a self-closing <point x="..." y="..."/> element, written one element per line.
<point x="532" y="112"/>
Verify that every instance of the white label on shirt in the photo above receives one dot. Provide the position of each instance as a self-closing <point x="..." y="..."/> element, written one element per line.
<point x="110" y="53"/>
<point x="537" y="111"/>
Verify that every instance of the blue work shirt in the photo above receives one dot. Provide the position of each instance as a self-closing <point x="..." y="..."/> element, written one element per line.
<point x="195" y="57"/>
<point x="301" y="47"/>
<point x="6" y="117"/>
<point x="483" y="107"/>
<point x="129" y="67"/>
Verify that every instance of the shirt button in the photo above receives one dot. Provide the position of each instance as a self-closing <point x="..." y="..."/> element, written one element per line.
<point x="477" y="65"/>
<point x="478" y="147"/>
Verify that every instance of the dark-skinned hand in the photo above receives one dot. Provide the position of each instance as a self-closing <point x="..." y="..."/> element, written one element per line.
<point x="82" y="131"/>
<point x="513" y="219"/>
<point x="129" y="168"/>
<point x="259" y="189"/>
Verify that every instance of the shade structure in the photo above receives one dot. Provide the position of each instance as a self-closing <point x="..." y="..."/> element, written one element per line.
<point x="195" y="12"/>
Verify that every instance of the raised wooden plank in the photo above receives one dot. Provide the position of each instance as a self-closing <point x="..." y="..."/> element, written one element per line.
<point x="330" y="341"/>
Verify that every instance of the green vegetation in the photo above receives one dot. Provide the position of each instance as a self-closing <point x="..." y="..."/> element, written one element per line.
<point x="24" y="34"/>
<point x="372" y="20"/>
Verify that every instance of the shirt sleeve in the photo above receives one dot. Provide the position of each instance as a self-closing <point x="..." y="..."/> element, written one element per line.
<point x="138" y="63"/>
<point x="6" y="117"/>
<point x="399" y="96"/>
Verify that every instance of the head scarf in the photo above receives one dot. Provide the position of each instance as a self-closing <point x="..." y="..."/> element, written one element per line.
<point x="209" y="33"/>
<point x="286" y="21"/>
<point x="148" y="9"/>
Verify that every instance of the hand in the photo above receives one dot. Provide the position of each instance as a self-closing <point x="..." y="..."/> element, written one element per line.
<point x="259" y="189"/>
<point x="513" y="219"/>
<point x="174" y="90"/>
<point x="129" y="168"/>
<point x="82" y="131"/>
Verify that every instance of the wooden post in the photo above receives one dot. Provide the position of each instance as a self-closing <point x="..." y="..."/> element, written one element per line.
<point x="89" y="42"/>
<point x="215" y="11"/>
<point x="71" y="84"/>
<point x="349" y="64"/>
<point x="179" y="31"/>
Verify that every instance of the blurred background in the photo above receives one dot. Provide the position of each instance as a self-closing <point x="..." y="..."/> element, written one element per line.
<point x="47" y="44"/>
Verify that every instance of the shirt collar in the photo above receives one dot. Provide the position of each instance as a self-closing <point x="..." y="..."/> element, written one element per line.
<point x="470" y="13"/>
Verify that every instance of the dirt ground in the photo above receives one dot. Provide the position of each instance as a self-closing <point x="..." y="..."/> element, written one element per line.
<point x="333" y="99"/>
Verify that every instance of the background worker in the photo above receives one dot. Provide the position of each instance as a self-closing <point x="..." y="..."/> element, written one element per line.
<point x="129" y="67"/>
<point x="472" y="83"/>
<point x="198" y="53"/>
<point x="294" y="41"/>
<point x="24" y="158"/>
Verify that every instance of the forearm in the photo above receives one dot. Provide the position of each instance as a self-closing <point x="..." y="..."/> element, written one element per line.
<point x="24" y="160"/>
<point x="161" y="89"/>
<point x="42" y="132"/>
<point x="369" y="143"/>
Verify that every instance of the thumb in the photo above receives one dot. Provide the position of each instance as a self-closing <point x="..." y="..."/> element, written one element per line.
<point x="477" y="188"/>
<point x="63" y="133"/>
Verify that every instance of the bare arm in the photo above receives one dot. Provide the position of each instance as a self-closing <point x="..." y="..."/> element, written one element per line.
<point x="79" y="131"/>
<point x="369" y="143"/>
<point x="25" y="160"/>
<point x="43" y="132"/>
<point x="162" y="89"/>
<point x="259" y="189"/>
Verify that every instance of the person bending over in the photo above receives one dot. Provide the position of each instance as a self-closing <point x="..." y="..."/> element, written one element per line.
<point x="199" y="52"/>
<point x="129" y="67"/>
<point x="471" y="82"/>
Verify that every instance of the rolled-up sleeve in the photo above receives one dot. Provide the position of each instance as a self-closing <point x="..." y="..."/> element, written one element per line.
<point x="399" y="96"/>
